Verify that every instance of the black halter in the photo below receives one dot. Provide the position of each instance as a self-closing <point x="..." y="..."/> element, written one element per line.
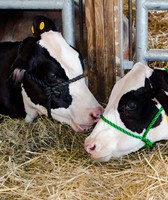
<point x="51" y="89"/>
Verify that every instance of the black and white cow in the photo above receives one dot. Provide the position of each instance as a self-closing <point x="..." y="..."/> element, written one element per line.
<point x="136" y="114"/>
<point x="44" y="75"/>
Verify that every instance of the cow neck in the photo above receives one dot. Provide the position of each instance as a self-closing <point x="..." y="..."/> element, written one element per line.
<point x="52" y="89"/>
<point x="143" y="137"/>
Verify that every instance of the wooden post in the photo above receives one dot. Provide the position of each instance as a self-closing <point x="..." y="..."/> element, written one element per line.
<point x="117" y="36"/>
<point x="101" y="47"/>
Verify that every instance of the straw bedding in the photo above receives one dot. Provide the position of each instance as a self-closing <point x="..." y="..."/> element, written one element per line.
<point x="46" y="160"/>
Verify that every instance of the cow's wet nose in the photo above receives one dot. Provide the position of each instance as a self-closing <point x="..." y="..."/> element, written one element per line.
<point x="95" y="115"/>
<point x="90" y="147"/>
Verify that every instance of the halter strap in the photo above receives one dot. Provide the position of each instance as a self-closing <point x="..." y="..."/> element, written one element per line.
<point x="143" y="138"/>
<point x="52" y="89"/>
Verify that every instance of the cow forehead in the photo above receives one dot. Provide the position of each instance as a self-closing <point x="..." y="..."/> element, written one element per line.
<point x="60" y="50"/>
<point x="133" y="80"/>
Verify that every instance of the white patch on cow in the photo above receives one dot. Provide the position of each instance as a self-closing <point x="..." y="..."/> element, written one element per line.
<point x="31" y="109"/>
<point x="59" y="49"/>
<point x="105" y="141"/>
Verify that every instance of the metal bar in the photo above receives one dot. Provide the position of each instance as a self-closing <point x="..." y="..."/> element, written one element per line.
<point x="157" y="55"/>
<point x="68" y="21"/>
<point x="130" y="29"/>
<point x="141" y="31"/>
<point x="156" y="4"/>
<point x="31" y="4"/>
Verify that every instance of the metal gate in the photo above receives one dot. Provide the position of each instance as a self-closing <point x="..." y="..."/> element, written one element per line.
<point x="143" y="54"/>
<point x="67" y="7"/>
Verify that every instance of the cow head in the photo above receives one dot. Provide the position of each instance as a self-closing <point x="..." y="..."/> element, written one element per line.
<point x="53" y="80"/>
<point x="134" y="102"/>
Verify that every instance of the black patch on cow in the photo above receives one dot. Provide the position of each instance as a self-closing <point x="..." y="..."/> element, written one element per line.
<point x="159" y="82"/>
<point x="11" y="102"/>
<point x="137" y="108"/>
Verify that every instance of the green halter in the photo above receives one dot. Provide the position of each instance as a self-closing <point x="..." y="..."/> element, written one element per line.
<point x="143" y="138"/>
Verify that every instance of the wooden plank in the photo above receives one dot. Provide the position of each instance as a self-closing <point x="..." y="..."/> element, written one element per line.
<point x="91" y="50"/>
<point x="100" y="50"/>
<point x="110" y="66"/>
<point x="100" y="37"/>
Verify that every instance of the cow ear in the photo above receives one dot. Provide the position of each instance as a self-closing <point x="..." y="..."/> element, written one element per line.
<point x="163" y="99"/>
<point x="148" y="91"/>
<point x="23" y="61"/>
<point x="159" y="81"/>
<point x="42" y="24"/>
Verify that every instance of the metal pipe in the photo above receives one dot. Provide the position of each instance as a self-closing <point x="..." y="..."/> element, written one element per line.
<point x="156" y="4"/>
<point x="157" y="55"/>
<point x="130" y="29"/>
<point x="31" y="4"/>
<point x="68" y="20"/>
<point x="141" y="31"/>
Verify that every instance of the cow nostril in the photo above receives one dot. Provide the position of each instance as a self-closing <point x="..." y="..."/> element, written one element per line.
<point x="95" y="116"/>
<point x="93" y="148"/>
<point x="90" y="147"/>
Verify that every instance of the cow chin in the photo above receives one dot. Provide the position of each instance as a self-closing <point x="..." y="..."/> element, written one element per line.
<point x="64" y="116"/>
<point x="81" y="127"/>
<point x="102" y="159"/>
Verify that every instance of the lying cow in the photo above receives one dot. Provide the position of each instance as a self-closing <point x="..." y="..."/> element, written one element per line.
<point x="44" y="75"/>
<point x="136" y="114"/>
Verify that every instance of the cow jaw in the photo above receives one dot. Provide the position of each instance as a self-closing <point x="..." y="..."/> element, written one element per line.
<point x="64" y="115"/>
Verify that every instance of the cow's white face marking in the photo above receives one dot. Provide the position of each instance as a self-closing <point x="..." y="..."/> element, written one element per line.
<point x="84" y="110"/>
<point x="105" y="141"/>
<point x="59" y="49"/>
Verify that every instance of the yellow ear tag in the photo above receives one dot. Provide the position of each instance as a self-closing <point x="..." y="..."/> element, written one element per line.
<point x="167" y="118"/>
<point x="32" y="29"/>
<point x="41" y="27"/>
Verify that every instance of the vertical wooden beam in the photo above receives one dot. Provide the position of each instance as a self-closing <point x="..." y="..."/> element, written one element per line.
<point x="117" y="37"/>
<point x="110" y="64"/>
<point x="101" y="48"/>
<point x="91" y="49"/>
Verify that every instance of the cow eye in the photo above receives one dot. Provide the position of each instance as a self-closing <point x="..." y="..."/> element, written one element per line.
<point x="131" y="105"/>
<point x="53" y="76"/>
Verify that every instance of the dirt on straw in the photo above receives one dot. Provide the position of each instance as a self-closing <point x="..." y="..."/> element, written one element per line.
<point x="46" y="160"/>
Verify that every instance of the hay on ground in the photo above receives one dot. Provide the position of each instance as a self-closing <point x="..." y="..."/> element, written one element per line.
<point x="46" y="160"/>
